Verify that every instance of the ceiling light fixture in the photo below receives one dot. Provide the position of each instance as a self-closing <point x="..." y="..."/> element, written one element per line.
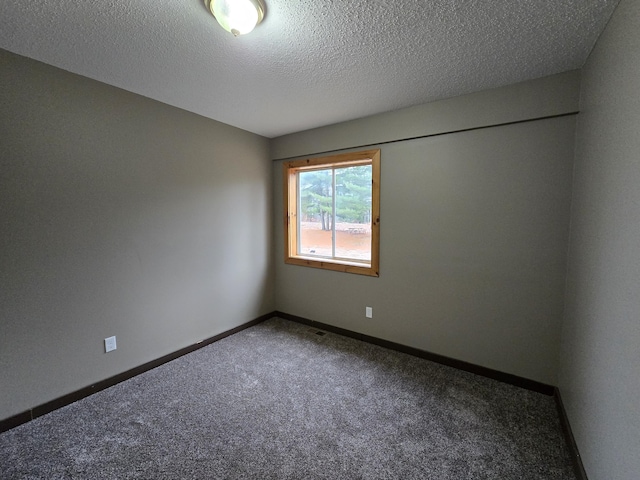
<point x="237" y="16"/>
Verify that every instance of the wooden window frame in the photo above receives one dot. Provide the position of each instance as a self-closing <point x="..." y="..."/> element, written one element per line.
<point x="290" y="190"/>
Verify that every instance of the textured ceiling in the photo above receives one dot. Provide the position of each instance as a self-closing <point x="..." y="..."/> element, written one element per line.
<point x="310" y="63"/>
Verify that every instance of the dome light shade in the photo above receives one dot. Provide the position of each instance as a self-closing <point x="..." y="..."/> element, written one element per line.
<point x="237" y="16"/>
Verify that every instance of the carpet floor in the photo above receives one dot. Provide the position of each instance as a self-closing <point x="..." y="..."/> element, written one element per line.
<point x="279" y="401"/>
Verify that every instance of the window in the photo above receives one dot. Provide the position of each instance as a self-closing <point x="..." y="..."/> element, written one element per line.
<point x="332" y="212"/>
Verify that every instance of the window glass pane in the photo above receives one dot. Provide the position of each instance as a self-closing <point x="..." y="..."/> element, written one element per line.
<point x="316" y="213"/>
<point x="353" y="212"/>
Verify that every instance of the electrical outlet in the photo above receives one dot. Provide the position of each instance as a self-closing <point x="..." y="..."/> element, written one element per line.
<point x="109" y="344"/>
<point x="368" y="312"/>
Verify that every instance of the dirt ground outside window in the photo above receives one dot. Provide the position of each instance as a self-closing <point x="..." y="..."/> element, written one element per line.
<point x="353" y="240"/>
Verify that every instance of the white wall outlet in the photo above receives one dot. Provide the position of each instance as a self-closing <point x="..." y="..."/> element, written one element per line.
<point x="368" y="311"/>
<point x="109" y="344"/>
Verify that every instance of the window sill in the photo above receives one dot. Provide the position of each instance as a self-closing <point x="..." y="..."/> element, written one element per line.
<point x="335" y="265"/>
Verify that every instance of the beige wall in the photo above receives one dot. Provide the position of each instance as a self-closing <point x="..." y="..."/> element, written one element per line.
<point x="119" y="216"/>
<point x="600" y="367"/>
<point x="474" y="230"/>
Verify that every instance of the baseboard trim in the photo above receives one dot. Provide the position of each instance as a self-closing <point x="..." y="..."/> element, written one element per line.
<point x="434" y="357"/>
<point x="578" y="467"/>
<point x="522" y="382"/>
<point x="27" y="416"/>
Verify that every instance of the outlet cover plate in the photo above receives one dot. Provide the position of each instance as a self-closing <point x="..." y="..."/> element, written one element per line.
<point x="109" y="344"/>
<point x="368" y="312"/>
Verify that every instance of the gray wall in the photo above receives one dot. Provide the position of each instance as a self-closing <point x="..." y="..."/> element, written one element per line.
<point x="119" y="216"/>
<point x="474" y="231"/>
<point x="600" y="363"/>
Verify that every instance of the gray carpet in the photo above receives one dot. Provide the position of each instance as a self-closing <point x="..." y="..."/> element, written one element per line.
<point x="279" y="401"/>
